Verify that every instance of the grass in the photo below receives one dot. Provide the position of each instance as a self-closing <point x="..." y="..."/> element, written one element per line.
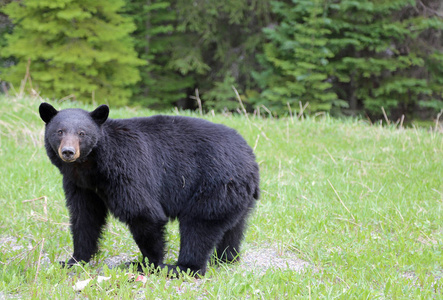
<point x="361" y="204"/>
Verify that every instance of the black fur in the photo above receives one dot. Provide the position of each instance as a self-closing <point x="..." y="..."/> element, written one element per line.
<point x="146" y="171"/>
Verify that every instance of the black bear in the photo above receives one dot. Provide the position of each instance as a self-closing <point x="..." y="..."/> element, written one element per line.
<point x="146" y="171"/>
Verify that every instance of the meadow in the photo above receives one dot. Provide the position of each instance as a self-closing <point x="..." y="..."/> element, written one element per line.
<point x="349" y="210"/>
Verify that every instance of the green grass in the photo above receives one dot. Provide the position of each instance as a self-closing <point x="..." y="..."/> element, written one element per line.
<point x="361" y="203"/>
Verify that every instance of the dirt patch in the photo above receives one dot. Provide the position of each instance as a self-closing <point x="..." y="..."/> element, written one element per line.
<point x="262" y="259"/>
<point x="19" y="252"/>
<point x="252" y="259"/>
<point x="9" y="244"/>
<point x="414" y="278"/>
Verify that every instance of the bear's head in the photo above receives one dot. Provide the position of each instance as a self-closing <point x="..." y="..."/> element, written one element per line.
<point x="72" y="133"/>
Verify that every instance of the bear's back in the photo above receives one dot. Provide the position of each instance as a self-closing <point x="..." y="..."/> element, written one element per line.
<point x="179" y="131"/>
<point x="196" y="155"/>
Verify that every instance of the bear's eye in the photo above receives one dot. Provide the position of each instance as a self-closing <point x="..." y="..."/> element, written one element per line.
<point x="60" y="132"/>
<point x="81" y="133"/>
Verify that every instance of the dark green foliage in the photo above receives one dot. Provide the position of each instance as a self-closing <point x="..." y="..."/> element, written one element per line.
<point x="344" y="57"/>
<point x="296" y="57"/>
<point x="430" y="42"/>
<point x="163" y="82"/>
<point x="434" y="74"/>
<point x="5" y="28"/>
<point x="361" y="54"/>
<point x="5" y="23"/>
<point x="209" y="45"/>
<point x="223" y="38"/>
<point x="75" y="47"/>
<point x="377" y="61"/>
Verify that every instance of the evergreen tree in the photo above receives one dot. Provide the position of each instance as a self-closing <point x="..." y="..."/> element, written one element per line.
<point x="163" y="82"/>
<point x="429" y="45"/>
<point x="5" y="28"/>
<point x="76" y="47"/>
<point x="368" y="54"/>
<point x="363" y="54"/>
<point x="223" y="38"/>
<point x="377" y="56"/>
<point x="296" y="57"/>
<point x="5" y="23"/>
<point x="209" y="45"/>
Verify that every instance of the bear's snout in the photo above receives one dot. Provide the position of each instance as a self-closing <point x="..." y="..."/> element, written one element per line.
<point x="69" y="150"/>
<point x="68" y="153"/>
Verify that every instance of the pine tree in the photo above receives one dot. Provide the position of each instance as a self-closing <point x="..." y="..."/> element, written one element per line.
<point x="428" y="16"/>
<point x="296" y="57"/>
<point x="5" y="23"/>
<point x="209" y="45"/>
<point x="5" y="28"/>
<point x="376" y="62"/>
<point x="158" y="43"/>
<point x="368" y="54"/>
<point x="222" y="40"/>
<point x="76" y="47"/>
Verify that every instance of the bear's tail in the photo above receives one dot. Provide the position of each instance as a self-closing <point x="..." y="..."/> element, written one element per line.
<point x="256" y="180"/>
<point x="256" y="194"/>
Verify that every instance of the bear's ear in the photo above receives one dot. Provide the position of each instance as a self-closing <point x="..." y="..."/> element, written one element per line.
<point x="100" y="114"/>
<point x="47" y="112"/>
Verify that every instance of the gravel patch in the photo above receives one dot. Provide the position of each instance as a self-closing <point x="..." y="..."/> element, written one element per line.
<point x="115" y="261"/>
<point x="252" y="259"/>
<point x="9" y="244"/>
<point x="414" y="278"/>
<point x="262" y="259"/>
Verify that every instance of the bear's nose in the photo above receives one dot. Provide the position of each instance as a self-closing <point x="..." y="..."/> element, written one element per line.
<point x="68" y="152"/>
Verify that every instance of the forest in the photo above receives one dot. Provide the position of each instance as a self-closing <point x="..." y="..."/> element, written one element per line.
<point x="343" y="57"/>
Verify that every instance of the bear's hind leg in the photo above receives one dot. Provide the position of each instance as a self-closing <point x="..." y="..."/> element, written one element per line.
<point x="197" y="242"/>
<point x="228" y="248"/>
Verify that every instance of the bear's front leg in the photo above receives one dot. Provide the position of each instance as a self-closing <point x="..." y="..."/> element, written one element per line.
<point x="88" y="216"/>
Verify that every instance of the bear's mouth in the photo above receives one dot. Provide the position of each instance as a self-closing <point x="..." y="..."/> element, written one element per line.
<point x="67" y="159"/>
